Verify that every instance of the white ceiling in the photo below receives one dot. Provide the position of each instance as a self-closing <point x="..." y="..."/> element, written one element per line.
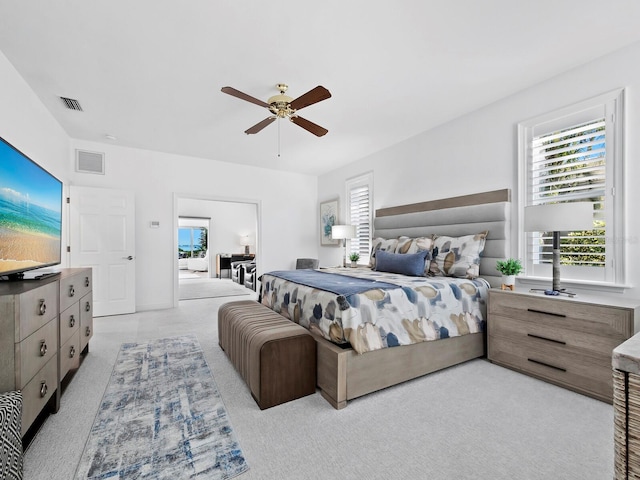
<point x="149" y="72"/>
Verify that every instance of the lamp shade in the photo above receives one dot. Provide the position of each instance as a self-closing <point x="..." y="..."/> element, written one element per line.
<point x="556" y="217"/>
<point x="244" y="240"/>
<point x="340" y="232"/>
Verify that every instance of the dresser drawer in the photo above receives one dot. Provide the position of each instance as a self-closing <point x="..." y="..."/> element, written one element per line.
<point x="69" y="322"/>
<point x="70" y="354"/>
<point x="569" y="314"/>
<point x="34" y="351"/>
<point x="556" y="364"/>
<point x="86" y="320"/>
<point x="38" y="391"/>
<point x="37" y="307"/>
<point x="557" y="335"/>
<point x="73" y="287"/>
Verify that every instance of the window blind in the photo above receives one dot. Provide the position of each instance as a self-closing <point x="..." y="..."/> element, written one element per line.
<point x="360" y="216"/>
<point x="569" y="165"/>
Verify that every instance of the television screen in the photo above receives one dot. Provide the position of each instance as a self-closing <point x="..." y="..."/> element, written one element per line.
<point x="30" y="213"/>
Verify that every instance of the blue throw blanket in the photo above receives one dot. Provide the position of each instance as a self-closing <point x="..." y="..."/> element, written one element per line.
<point x="331" y="282"/>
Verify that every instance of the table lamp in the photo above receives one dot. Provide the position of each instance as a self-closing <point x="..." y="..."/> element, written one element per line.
<point x="342" y="232"/>
<point x="557" y="217"/>
<point x="244" y="240"/>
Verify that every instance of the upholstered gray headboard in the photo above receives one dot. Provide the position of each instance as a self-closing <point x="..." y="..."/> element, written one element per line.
<point x="456" y="216"/>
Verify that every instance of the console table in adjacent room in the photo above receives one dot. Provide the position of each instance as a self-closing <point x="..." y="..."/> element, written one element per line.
<point x="223" y="261"/>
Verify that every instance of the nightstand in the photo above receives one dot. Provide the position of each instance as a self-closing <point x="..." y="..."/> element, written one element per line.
<point x="565" y="341"/>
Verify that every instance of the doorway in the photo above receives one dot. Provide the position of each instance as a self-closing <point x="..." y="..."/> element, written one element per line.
<point x="233" y="226"/>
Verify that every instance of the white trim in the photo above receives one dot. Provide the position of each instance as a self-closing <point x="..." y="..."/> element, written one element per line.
<point x="611" y="104"/>
<point x="359" y="180"/>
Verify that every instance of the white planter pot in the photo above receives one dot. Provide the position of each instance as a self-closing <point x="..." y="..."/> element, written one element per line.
<point x="354" y="264"/>
<point x="508" y="279"/>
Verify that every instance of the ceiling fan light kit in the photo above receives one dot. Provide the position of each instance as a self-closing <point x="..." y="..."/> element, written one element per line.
<point x="284" y="106"/>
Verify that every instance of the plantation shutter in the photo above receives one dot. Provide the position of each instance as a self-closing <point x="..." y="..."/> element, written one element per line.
<point x="359" y="214"/>
<point x="569" y="165"/>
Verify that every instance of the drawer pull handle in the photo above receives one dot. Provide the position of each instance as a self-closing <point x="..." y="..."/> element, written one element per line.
<point x="72" y="351"/>
<point x="72" y="321"/>
<point x="43" y="348"/>
<point x="546" y="313"/>
<point x="42" y="309"/>
<point x="547" y="365"/>
<point x="87" y="332"/>
<point x="72" y="291"/>
<point x="43" y="389"/>
<point x="87" y="307"/>
<point x="547" y="339"/>
<point x="86" y="282"/>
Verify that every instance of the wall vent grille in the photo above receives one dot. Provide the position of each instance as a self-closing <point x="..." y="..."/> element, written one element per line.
<point x="89" y="162"/>
<point x="71" y="103"/>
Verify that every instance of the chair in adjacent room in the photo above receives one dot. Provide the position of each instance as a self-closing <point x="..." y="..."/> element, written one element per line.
<point x="249" y="275"/>
<point x="237" y="270"/>
<point x="304" y="263"/>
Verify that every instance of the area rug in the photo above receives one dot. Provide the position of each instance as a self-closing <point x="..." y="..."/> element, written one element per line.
<point x="161" y="417"/>
<point x="210" y="288"/>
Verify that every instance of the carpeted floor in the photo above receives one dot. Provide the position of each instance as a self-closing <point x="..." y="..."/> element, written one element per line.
<point x="161" y="417"/>
<point x="474" y="421"/>
<point x="190" y="289"/>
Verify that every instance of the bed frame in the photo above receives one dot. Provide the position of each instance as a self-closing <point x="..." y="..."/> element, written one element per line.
<point x="343" y="374"/>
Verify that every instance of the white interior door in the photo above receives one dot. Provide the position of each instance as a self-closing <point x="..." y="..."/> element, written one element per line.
<point x="102" y="236"/>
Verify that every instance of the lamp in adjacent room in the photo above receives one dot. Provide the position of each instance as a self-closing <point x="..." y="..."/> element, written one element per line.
<point x="343" y="232"/>
<point x="244" y="240"/>
<point x="557" y="217"/>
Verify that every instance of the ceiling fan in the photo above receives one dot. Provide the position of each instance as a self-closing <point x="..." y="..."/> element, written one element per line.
<point x="283" y="106"/>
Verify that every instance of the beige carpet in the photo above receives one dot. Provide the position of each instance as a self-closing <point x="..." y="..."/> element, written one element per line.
<point x="193" y="288"/>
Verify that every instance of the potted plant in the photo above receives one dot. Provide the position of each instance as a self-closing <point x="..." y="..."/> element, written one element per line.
<point x="509" y="269"/>
<point x="354" y="257"/>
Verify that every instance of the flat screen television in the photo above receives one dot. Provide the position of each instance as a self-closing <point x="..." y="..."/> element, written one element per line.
<point x="30" y="214"/>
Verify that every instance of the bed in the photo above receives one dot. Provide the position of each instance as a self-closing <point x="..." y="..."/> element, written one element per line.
<point x="443" y="317"/>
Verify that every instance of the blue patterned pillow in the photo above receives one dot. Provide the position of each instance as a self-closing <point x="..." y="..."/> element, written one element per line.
<point x="405" y="263"/>
<point x="10" y="439"/>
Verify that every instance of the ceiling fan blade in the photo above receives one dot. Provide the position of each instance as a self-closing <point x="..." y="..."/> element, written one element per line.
<point x="317" y="130"/>
<point x="260" y="125"/>
<point x="237" y="93"/>
<point x="312" y="96"/>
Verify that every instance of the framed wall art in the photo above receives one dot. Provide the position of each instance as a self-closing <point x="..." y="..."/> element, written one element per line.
<point x="328" y="218"/>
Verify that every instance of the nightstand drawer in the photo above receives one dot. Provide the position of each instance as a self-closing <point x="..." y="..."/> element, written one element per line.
<point x="596" y="347"/>
<point x="569" y="314"/>
<point x="556" y="364"/>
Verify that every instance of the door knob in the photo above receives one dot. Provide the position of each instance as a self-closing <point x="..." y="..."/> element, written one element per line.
<point x="128" y="258"/>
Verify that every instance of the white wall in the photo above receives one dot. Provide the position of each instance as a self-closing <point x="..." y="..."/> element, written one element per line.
<point x="478" y="152"/>
<point x="286" y="200"/>
<point x="229" y="221"/>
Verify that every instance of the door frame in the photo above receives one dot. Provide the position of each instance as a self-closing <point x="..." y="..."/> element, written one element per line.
<point x="212" y="198"/>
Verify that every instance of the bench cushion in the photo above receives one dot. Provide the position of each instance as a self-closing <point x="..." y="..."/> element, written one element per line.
<point x="274" y="356"/>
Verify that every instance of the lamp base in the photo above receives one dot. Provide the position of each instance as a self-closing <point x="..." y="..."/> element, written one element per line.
<point x="246" y="249"/>
<point x="552" y="292"/>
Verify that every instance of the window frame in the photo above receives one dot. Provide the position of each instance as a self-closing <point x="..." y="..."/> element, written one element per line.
<point x="365" y="179"/>
<point x="612" y="103"/>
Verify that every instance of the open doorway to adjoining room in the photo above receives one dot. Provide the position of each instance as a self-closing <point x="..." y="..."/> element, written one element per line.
<point x="228" y="228"/>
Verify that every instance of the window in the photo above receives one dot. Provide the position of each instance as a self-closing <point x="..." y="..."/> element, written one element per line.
<point x="359" y="209"/>
<point x="192" y="242"/>
<point x="575" y="155"/>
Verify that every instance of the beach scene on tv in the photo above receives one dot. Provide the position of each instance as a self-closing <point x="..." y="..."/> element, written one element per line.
<point x="30" y="213"/>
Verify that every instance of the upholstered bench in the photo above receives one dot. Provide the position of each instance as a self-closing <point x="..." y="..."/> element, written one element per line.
<point x="275" y="356"/>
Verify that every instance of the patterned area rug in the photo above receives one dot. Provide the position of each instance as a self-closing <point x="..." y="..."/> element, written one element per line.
<point x="161" y="417"/>
<point x="190" y="289"/>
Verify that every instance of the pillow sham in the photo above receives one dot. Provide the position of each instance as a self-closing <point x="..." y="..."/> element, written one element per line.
<point x="414" y="245"/>
<point x="379" y="243"/>
<point x="458" y="256"/>
<point x="411" y="264"/>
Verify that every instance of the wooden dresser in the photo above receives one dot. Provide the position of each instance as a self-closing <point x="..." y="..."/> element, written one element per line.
<point x="565" y="341"/>
<point x="42" y="332"/>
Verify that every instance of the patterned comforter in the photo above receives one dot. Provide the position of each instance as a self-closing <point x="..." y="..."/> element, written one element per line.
<point x="422" y="309"/>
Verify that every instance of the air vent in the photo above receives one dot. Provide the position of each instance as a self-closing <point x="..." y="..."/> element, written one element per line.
<point x="71" y="103"/>
<point x="89" y="162"/>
